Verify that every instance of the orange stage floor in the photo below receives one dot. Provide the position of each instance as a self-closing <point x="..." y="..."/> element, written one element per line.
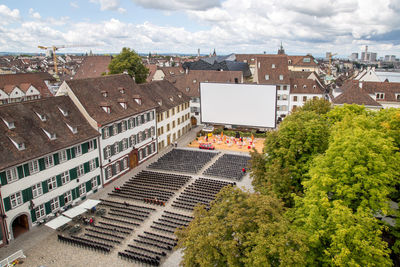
<point x="230" y="143"/>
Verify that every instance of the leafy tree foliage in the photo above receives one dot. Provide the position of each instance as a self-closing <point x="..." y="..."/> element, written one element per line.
<point x="241" y="229"/>
<point x="319" y="106"/>
<point x="131" y="62"/>
<point x="289" y="152"/>
<point x="339" y="112"/>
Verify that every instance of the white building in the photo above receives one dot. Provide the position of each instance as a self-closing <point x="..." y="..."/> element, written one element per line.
<point x="303" y="90"/>
<point x="52" y="160"/>
<point x="119" y="110"/>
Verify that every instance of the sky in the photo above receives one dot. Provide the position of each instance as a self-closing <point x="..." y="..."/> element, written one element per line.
<point x="183" y="26"/>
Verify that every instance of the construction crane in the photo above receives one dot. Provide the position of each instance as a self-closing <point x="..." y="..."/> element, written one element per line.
<point x="54" y="48"/>
<point x="330" y="62"/>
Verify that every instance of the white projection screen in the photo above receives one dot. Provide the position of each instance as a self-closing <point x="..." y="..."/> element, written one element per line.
<point x="251" y="105"/>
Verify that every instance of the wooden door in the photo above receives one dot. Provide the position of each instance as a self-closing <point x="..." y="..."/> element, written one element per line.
<point x="133" y="159"/>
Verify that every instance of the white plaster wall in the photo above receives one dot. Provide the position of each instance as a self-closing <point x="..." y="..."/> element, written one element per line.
<point x="17" y="93"/>
<point x="158" y="75"/>
<point x="163" y="123"/>
<point x="32" y="91"/>
<point x="300" y="102"/>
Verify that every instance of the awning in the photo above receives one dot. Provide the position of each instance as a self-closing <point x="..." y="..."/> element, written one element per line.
<point x="89" y="204"/>
<point x="71" y="213"/>
<point x="57" y="222"/>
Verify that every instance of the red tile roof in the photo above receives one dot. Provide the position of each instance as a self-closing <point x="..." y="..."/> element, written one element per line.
<point x="305" y="86"/>
<point x="93" y="66"/>
<point x="37" y="79"/>
<point x="274" y="66"/>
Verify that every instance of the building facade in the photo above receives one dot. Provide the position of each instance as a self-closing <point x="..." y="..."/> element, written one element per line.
<point x="52" y="161"/>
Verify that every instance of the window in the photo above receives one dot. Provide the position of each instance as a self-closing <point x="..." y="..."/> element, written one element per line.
<point x="266" y="77"/>
<point x="16" y="199"/>
<point x="107" y="109"/>
<point x="33" y="166"/>
<point x="284" y="97"/>
<point x="108" y="172"/>
<point x="67" y="197"/>
<point x="54" y="204"/>
<point x="138" y="137"/>
<point x="11" y="175"/>
<point x="115" y="129"/>
<point x="306" y="59"/>
<point x="65" y="177"/>
<point x="167" y="114"/>
<point x="123" y="105"/>
<point x="173" y="111"/>
<point x="39" y="211"/>
<point x="92" y="164"/>
<point x="48" y="161"/>
<point x="285" y="87"/>
<point x="315" y="98"/>
<point x="295" y="98"/>
<point x="107" y="152"/>
<point x="62" y="155"/>
<point x="125" y="144"/>
<point x="187" y="89"/>
<point x="117" y="167"/>
<point x="281" y="77"/>
<point x="133" y="139"/>
<point x="273" y="66"/>
<point x="116" y="147"/>
<point x="106" y="132"/>
<point x="80" y="170"/>
<point x="123" y="126"/>
<point x="91" y="145"/>
<point x="294" y="107"/>
<point x="78" y="150"/>
<point x="125" y="163"/>
<point x="153" y="131"/>
<point x="52" y="183"/>
<point x="397" y="96"/>
<point x="380" y="96"/>
<point x="37" y="190"/>
<point x="82" y="189"/>
<point x="304" y="98"/>
<point x="94" y="182"/>
<point x="173" y="124"/>
<point x="168" y="127"/>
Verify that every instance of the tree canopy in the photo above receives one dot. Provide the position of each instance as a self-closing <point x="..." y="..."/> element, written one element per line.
<point x="128" y="60"/>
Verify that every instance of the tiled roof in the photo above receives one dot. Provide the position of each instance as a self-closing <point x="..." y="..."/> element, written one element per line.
<point x="355" y="95"/>
<point x="36" y="79"/>
<point x="28" y="129"/>
<point x="390" y="89"/>
<point x="305" y="86"/>
<point x="189" y="83"/>
<point x="152" y="70"/>
<point x="164" y="93"/>
<point x="225" y="65"/>
<point x="299" y="61"/>
<point x="273" y="66"/>
<point x="93" y="66"/>
<point x="172" y="71"/>
<point x="89" y="93"/>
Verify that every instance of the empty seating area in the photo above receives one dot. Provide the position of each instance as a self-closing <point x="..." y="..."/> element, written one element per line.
<point x="151" y="187"/>
<point x="186" y="161"/>
<point x="151" y="246"/>
<point x="202" y="191"/>
<point x="229" y="166"/>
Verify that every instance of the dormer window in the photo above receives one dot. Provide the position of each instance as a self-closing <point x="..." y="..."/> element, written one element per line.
<point x="259" y="65"/>
<point x="180" y="95"/>
<point x="138" y="100"/>
<point x="314" y="87"/>
<point x="171" y="99"/>
<point x="194" y="81"/>
<point x="266" y="77"/>
<point x="10" y="124"/>
<point x="42" y="117"/>
<point x="398" y="97"/>
<point x="74" y="130"/>
<point x="121" y="90"/>
<point x="295" y="86"/>
<point x="18" y="143"/>
<point x="273" y="66"/>
<point x="123" y="105"/>
<point x="63" y="111"/>
<point x="306" y="59"/>
<point x="187" y="89"/>
<point x="104" y="93"/>
<point x="281" y="77"/>
<point x="159" y="102"/>
<point x="51" y="136"/>
<point x="289" y="61"/>
<point x="106" y="109"/>
<point x="380" y="96"/>
<point x="304" y="86"/>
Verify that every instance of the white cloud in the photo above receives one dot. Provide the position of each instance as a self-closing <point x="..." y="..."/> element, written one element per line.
<point x="8" y="15"/>
<point x="107" y="4"/>
<point x="74" y="4"/>
<point x="34" y="14"/>
<point x="178" y="4"/>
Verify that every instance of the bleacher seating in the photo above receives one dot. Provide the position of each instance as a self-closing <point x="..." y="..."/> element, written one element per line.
<point x="181" y="160"/>
<point x="229" y="166"/>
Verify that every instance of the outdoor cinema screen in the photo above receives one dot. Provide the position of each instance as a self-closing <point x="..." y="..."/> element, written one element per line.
<point x="251" y="105"/>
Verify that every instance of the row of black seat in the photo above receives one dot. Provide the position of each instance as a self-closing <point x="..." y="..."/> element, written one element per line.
<point x="92" y="241"/>
<point x="119" y="220"/>
<point x="229" y="166"/>
<point x="182" y="160"/>
<point x="125" y="204"/>
<point x="100" y="237"/>
<point x="131" y="257"/>
<point x="84" y="244"/>
<point x="102" y="232"/>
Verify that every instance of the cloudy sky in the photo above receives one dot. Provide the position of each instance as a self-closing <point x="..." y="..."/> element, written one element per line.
<point x="182" y="26"/>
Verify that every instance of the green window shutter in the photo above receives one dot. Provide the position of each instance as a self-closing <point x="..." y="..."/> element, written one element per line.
<point x="97" y="162"/>
<point x="41" y="164"/>
<point x="120" y="146"/>
<point x="56" y="159"/>
<point x="47" y="207"/>
<point x="119" y="127"/>
<point x="113" y="170"/>
<point x="128" y="124"/>
<point x="85" y="147"/>
<point x="86" y="167"/>
<point x="26" y="170"/>
<point x="77" y="191"/>
<point x="110" y="130"/>
<point x="73" y="194"/>
<point x="104" y="153"/>
<point x="69" y="154"/>
<point x="112" y="150"/>
<point x="72" y="153"/>
<point x="73" y="174"/>
<point x="61" y="200"/>
<point x="7" y="203"/>
<point x="45" y="187"/>
<point x="130" y="142"/>
<point x="33" y="215"/>
<point x="88" y="186"/>
<point x="98" y="179"/>
<point x="20" y="172"/>
<point x="95" y="143"/>
<point x="102" y="133"/>
<point x="3" y="178"/>
<point x="59" y="182"/>
<point x="27" y="194"/>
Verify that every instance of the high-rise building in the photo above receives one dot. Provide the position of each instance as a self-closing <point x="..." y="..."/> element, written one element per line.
<point x="390" y="58"/>
<point x="354" y="56"/>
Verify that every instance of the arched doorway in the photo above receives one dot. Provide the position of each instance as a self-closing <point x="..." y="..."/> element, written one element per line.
<point x="20" y="225"/>
<point x="133" y="159"/>
<point x="193" y="121"/>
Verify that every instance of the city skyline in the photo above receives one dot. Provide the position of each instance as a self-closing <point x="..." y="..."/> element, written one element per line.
<point x="230" y="26"/>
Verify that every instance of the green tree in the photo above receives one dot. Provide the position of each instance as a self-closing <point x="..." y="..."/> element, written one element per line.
<point x="319" y="106"/>
<point x="131" y="62"/>
<point x="241" y="229"/>
<point x="289" y="152"/>
<point x="339" y="112"/>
